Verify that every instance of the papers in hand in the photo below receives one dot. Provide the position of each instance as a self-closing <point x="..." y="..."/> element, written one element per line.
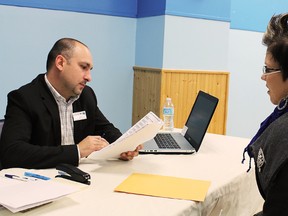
<point x="144" y="130"/>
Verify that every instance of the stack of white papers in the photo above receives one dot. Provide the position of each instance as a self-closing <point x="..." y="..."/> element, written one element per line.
<point x="144" y="130"/>
<point x="18" y="196"/>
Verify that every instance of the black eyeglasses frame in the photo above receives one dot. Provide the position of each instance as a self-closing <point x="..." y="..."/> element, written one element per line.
<point x="267" y="70"/>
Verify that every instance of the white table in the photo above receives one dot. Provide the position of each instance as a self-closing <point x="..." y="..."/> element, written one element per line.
<point x="233" y="191"/>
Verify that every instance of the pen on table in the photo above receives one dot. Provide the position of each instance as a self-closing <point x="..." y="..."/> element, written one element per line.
<point x="34" y="175"/>
<point x="16" y="177"/>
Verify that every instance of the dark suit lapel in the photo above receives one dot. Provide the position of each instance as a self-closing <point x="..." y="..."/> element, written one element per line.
<point x="52" y="108"/>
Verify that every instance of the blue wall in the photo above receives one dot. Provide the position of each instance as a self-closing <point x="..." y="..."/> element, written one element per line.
<point x="208" y="9"/>
<point x="251" y="15"/>
<point x="147" y="8"/>
<point x="150" y="41"/>
<point x="125" y="8"/>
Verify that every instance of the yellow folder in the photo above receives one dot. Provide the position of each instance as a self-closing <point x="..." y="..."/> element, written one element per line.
<point x="165" y="186"/>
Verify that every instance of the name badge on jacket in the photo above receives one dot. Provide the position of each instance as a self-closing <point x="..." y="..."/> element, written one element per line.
<point x="77" y="116"/>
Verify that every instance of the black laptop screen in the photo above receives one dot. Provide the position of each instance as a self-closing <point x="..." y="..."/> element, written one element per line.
<point x="199" y="118"/>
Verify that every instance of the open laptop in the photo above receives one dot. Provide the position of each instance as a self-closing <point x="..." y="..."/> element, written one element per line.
<point x="190" y="139"/>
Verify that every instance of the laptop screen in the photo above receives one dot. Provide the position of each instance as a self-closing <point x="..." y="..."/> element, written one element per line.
<point x="199" y="118"/>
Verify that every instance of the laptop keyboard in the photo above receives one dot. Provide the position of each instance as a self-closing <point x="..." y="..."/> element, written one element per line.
<point x="166" y="141"/>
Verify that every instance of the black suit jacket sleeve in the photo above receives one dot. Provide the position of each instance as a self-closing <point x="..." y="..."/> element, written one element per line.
<point x="31" y="135"/>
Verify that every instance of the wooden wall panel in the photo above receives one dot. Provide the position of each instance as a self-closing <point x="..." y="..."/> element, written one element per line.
<point x="146" y="93"/>
<point x="152" y="86"/>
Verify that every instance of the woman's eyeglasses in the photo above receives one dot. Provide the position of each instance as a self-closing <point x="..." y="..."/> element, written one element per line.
<point x="268" y="71"/>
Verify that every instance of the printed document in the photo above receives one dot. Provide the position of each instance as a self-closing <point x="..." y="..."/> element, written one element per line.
<point x="18" y="196"/>
<point x="144" y="130"/>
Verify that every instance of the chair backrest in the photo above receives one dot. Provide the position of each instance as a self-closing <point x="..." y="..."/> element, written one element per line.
<point x="1" y="125"/>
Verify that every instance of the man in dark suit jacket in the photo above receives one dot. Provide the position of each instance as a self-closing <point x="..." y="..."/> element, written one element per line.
<point x="55" y="118"/>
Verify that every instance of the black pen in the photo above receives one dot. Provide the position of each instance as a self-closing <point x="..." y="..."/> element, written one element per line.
<point x="16" y="177"/>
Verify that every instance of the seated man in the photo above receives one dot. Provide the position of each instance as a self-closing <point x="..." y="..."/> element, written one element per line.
<point x="55" y="118"/>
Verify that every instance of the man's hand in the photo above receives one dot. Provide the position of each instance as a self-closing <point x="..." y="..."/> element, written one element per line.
<point x="127" y="156"/>
<point x="91" y="144"/>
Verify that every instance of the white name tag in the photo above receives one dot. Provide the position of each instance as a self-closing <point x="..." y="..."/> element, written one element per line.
<point x="77" y="116"/>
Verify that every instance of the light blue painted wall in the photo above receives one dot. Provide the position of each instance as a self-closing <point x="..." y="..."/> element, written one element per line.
<point x="182" y="42"/>
<point x="249" y="103"/>
<point x="149" y="41"/>
<point x="191" y="43"/>
<point x="207" y="9"/>
<point x="253" y="15"/>
<point x="28" y="34"/>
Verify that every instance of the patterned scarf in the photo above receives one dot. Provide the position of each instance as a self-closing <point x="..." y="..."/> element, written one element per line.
<point x="278" y="111"/>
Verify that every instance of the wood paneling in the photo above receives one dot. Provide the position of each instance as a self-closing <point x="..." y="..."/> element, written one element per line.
<point x="152" y="86"/>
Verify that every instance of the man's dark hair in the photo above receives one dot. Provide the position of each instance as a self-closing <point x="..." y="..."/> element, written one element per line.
<point x="65" y="47"/>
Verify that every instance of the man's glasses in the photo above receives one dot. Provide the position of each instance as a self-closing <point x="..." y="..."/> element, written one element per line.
<point x="267" y="70"/>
